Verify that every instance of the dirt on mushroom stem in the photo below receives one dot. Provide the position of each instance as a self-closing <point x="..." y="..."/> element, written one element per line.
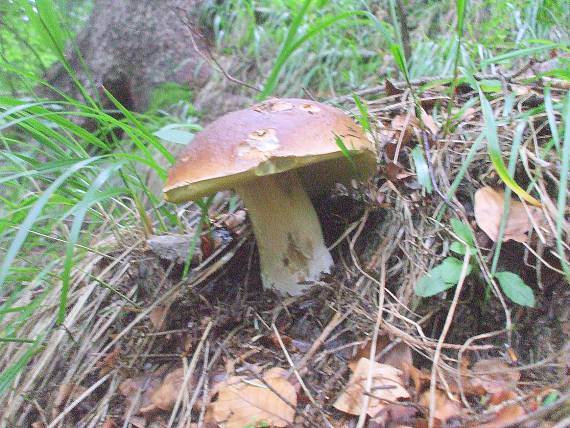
<point x="288" y="232"/>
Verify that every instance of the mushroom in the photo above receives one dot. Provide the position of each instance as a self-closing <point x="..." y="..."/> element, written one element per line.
<point x="274" y="155"/>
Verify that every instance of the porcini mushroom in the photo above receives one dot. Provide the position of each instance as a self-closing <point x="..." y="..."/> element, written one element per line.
<point x="274" y="155"/>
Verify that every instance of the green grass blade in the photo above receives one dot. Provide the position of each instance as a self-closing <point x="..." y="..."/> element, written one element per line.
<point x="517" y="141"/>
<point x="494" y="149"/>
<point x="32" y="216"/>
<point x="461" y="4"/>
<point x="551" y="119"/>
<point x="563" y="190"/>
<point x="363" y="109"/>
<point x="422" y="170"/>
<point x="88" y="200"/>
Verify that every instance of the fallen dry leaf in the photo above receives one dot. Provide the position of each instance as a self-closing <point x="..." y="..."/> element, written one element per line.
<point x="398" y="355"/>
<point x="505" y="417"/>
<point x="165" y="396"/>
<point x="138" y="391"/>
<point x="393" y="415"/>
<point x="489" y="210"/>
<point x="386" y="386"/>
<point x="399" y="122"/>
<point x="158" y="317"/>
<point x="109" y="423"/>
<point x="109" y="361"/>
<point x="395" y="172"/>
<point x="494" y="375"/>
<point x="234" y="220"/>
<point x="444" y="407"/>
<point x="391" y="89"/>
<point x="429" y="123"/>
<point x="241" y="401"/>
<point x="67" y="392"/>
<point x="504" y="395"/>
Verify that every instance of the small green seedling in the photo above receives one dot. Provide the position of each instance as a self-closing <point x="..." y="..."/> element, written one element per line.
<point x="447" y="274"/>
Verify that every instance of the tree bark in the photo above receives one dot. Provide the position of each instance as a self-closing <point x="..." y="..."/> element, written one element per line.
<point x="130" y="47"/>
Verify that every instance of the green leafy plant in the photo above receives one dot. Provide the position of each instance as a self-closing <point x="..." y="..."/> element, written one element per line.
<point x="447" y="274"/>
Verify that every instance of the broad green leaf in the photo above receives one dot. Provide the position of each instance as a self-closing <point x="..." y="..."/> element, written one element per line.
<point x="463" y="231"/>
<point x="458" y="248"/>
<point x="515" y="289"/>
<point x="551" y="398"/>
<point x="174" y="136"/>
<point x="490" y="85"/>
<point x="450" y="270"/>
<point x="431" y="284"/>
<point x="441" y="277"/>
<point x="422" y="170"/>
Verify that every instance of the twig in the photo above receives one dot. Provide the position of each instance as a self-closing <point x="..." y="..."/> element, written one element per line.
<point x="189" y="373"/>
<point x="208" y="56"/>
<point x="464" y="347"/>
<point x="79" y="399"/>
<point x="333" y="323"/>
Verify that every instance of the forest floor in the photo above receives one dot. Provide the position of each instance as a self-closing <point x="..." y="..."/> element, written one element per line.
<point x="143" y="348"/>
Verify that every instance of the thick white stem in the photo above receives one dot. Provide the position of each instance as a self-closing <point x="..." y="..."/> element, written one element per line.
<point x="287" y="230"/>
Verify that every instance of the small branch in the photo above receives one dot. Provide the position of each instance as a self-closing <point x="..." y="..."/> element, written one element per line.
<point x="208" y="56"/>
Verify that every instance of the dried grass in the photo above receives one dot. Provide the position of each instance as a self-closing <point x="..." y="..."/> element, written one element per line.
<point x="401" y="233"/>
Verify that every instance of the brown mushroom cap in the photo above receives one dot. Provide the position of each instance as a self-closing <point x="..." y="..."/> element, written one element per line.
<point x="275" y="136"/>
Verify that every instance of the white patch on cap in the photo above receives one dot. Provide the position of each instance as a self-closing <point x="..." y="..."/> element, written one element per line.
<point x="311" y="108"/>
<point x="273" y="105"/>
<point x="259" y="144"/>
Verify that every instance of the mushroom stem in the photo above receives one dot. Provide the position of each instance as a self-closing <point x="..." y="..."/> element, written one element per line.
<point x="287" y="230"/>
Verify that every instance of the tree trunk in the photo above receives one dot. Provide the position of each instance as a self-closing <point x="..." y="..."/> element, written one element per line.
<point x="130" y="47"/>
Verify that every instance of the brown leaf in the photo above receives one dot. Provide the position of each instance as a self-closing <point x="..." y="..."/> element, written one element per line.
<point x="393" y="415"/>
<point x="444" y="407"/>
<point x="501" y="396"/>
<point x="391" y="90"/>
<point x="398" y="123"/>
<point x="109" y="361"/>
<point x="390" y="151"/>
<point x="158" y="317"/>
<point x="67" y="392"/>
<point x="429" y="123"/>
<point x="165" y="396"/>
<point x="494" y="375"/>
<point x="241" y="402"/>
<point x="398" y="355"/>
<point x="395" y="172"/>
<point x="386" y="385"/>
<point x="109" y="423"/>
<point x="139" y="390"/>
<point x="489" y="210"/>
<point x="505" y="417"/>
